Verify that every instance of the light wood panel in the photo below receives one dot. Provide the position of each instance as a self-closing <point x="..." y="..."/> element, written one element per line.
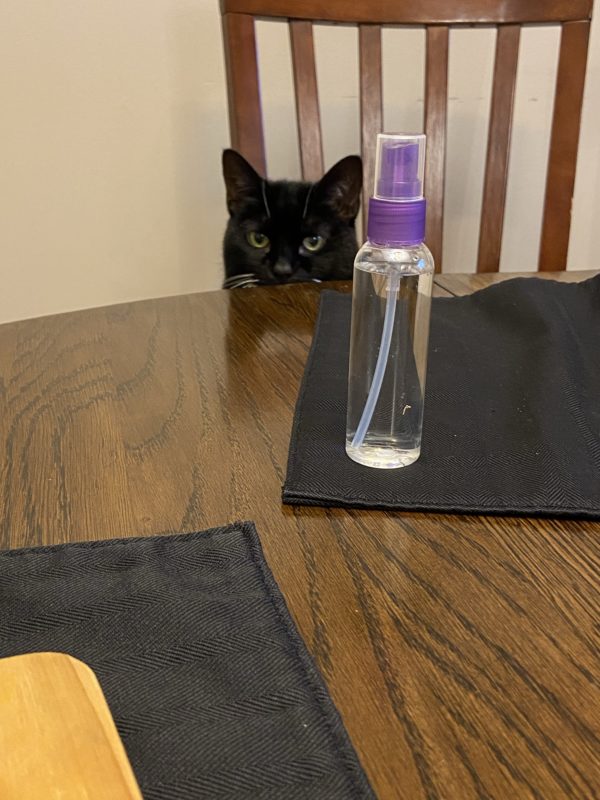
<point x="57" y="735"/>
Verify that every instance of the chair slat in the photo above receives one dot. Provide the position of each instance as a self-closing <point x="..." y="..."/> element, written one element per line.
<point x="436" y="104"/>
<point x="418" y="12"/>
<point x="307" y="99"/>
<point x="245" y="114"/>
<point x="371" y="104"/>
<point x="564" y="141"/>
<point x="496" y="170"/>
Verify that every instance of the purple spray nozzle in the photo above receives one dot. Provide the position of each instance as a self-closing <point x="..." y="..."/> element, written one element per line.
<point x="399" y="167"/>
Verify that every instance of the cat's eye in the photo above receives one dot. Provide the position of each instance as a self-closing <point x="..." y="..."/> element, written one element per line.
<point x="313" y="243"/>
<point x="257" y="239"/>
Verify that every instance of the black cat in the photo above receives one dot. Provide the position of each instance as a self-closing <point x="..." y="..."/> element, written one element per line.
<point x="288" y="231"/>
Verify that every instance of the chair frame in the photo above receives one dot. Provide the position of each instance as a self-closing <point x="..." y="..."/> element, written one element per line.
<point x="245" y="115"/>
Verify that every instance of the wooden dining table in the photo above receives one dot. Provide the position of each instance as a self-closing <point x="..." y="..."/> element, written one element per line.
<point x="461" y="651"/>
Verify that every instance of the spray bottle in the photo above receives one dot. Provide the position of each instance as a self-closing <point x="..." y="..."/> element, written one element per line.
<point x="391" y="302"/>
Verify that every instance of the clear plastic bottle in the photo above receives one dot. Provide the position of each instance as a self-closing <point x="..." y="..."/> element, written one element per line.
<point x="393" y="279"/>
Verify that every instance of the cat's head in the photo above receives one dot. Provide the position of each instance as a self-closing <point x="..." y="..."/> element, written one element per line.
<point x="288" y="231"/>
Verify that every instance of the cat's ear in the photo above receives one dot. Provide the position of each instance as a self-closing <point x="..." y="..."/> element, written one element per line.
<point x="341" y="186"/>
<point x="242" y="181"/>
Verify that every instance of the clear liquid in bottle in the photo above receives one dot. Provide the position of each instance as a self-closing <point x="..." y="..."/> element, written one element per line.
<point x="392" y="289"/>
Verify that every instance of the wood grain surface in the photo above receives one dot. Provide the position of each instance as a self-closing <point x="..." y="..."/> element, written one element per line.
<point x="461" y="284"/>
<point x="462" y="651"/>
<point x="57" y="737"/>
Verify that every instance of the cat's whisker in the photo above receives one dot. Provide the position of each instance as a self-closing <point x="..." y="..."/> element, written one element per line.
<point x="240" y="281"/>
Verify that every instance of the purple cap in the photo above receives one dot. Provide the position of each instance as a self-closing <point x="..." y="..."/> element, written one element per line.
<point x="396" y="224"/>
<point x="397" y="210"/>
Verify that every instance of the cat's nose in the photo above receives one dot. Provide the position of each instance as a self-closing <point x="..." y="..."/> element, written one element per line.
<point x="282" y="268"/>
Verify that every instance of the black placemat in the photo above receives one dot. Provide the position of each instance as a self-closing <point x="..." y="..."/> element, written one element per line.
<point x="512" y="408"/>
<point x="210" y="685"/>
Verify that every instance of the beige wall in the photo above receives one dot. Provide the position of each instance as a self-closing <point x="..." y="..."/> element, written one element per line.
<point x="113" y="116"/>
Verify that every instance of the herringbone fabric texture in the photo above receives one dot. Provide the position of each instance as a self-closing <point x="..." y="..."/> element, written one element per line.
<point x="512" y="408"/>
<point x="212" y="690"/>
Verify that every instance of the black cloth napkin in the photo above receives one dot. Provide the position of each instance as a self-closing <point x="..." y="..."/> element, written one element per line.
<point x="210" y="685"/>
<point x="512" y="408"/>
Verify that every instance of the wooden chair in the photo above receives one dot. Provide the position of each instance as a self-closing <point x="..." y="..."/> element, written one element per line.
<point x="436" y="15"/>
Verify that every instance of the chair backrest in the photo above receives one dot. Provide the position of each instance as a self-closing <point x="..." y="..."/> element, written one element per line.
<point x="437" y="16"/>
